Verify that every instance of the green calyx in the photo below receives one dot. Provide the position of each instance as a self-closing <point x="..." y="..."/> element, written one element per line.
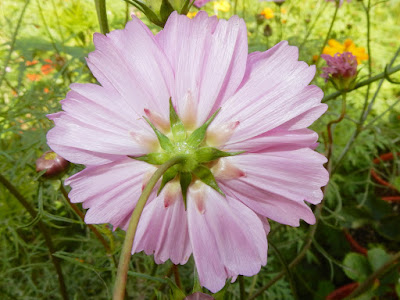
<point x="192" y="147"/>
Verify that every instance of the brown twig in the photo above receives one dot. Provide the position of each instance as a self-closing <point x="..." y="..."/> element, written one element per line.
<point x="176" y="276"/>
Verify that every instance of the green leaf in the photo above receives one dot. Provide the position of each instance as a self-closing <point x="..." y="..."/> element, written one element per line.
<point x="199" y="134"/>
<point x="165" y="10"/>
<point x="167" y="177"/>
<point x="396" y="182"/>
<point x="185" y="180"/>
<point x="356" y="266"/>
<point x="207" y="154"/>
<point x="155" y="158"/>
<point x="377" y="257"/>
<point x="164" y="141"/>
<point x="177" y="128"/>
<point x="206" y="176"/>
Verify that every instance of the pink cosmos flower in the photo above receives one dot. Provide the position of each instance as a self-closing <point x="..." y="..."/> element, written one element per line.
<point x="341" y="67"/>
<point x="201" y="65"/>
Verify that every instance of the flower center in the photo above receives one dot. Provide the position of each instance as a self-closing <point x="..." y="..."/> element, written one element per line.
<point x="191" y="146"/>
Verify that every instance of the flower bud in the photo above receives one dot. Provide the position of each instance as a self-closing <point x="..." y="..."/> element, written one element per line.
<point x="52" y="163"/>
<point x="199" y="296"/>
<point x="267" y="30"/>
<point x="341" y="69"/>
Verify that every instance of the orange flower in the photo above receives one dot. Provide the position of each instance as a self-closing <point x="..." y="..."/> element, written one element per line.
<point x="348" y="46"/>
<point x="47" y="68"/>
<point x="268" y="13"/>
<point x="34" y="77"/>
<point x="46" y="90"/>
<point x="31" y="63"/>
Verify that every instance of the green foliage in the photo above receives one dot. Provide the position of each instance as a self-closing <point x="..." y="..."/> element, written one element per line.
<point x="43" y="55"/>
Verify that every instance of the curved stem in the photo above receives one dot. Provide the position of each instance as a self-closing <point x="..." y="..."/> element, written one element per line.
<point x="102" y="15"/>
<point x="329" y="126"/>
<point x="42" y="227"/>
<point x="120" y="282"/>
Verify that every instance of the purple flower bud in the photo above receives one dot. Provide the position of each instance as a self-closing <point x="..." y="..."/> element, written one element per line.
<point x="199" y="296"/>
<point x="54" y="164"/>
<point x="342" y="68"/>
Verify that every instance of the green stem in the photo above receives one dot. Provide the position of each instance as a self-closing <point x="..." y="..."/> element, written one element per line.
<point x="12" y="43"/>
<point x="120" y="282"/>
<point x="242" y="288"/>
<point x="329" y="128"/>
<point x="42" y="227"/>
<point x="310" y="29"/>
<point x="102" y="15"/>
<point x="329" y="32"/>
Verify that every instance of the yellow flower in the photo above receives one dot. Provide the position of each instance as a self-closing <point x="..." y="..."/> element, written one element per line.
<point x="222" y="5"/>
<point x="348" y="46"/>
<point x="268" y="13"/>
<point x="283" y="10"/>
<point x="191" y="14"/>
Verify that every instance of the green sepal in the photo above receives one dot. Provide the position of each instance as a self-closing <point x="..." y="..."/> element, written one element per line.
<point x="207" y="154"/>
<point x="199" y="134"/>
<point x="147" y="11"/>
<point x="167" y="177"/>
<point x="165" y="10"/>
<point x="177" y="128"/>
<point x="154" y="158"/>
<point x="175" y="293"/>
<point x="206" y="176"/>
<point x="196" y="284"/>
<point x="185" y="180"/>
<point x="164" y="141"/>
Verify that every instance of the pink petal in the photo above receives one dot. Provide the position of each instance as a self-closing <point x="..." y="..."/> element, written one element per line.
<point x="228" y="238"/>
<point x="130" y="62"/>
<point x="297" y="175"/>
<point x="209" y="59"/>
<point x="109" y="191"/>
<point x="283" y="140"/>
<point x="274" y="91"/>
<point x="163" y="231"/>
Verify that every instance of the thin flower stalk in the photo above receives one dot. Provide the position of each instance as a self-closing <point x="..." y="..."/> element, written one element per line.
<point x="123" y="265"/>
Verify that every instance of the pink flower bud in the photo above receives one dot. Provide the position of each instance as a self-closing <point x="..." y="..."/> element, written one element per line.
<point x="53" y="163"/>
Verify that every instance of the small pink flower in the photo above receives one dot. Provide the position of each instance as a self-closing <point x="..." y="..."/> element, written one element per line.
<point x="341" y="68"/>
<point x="201" y="65"/>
